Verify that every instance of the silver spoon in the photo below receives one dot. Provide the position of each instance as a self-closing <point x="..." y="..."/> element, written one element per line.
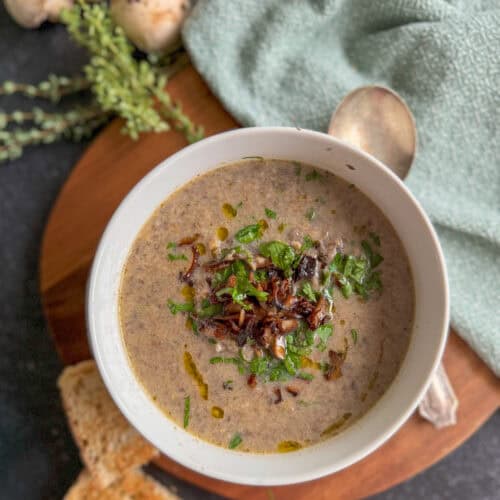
<point x="378" y="121"/>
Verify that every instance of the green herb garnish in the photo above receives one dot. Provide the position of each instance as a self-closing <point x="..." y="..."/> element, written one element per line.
<point x="313" y="176"/>
<point x="355" y="274"/>
<point x="311" y="214"/>
<point x="260" y="275"/>
<point x="208" y="309"/>
<point x="307" y="243"/>
<point x="324" y="332"/>
<point x="243" y="287"/>
<point x="308" y="292"/>
<point x="176" y="256"/>
<point x="249" y="233"/>
<point x="259" y="365"/>
<point x="375" y="238"/>
<point x="282" y="255"/>
<point x="187" y="408"/>
<point x="354" y="335"/>
<point x="270" y="213"/>
<point x="191" y="323"/>
<point x="171" y="244"/>
<point x="178" y="307"/>
<point x="235" y="441"/>
<point x="305" y="376"/>
<point x="374" y="258"/>
<point x="239" y="362"/>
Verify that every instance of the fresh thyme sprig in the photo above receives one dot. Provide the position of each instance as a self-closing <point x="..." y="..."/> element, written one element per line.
<point x="54" y="88"/>
<point x="48" y="127"/>
<point x="122" y="84"/>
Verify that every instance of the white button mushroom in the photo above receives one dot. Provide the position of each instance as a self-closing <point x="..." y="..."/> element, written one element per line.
<point x="32" y="13"/>
<point x="151" y="25"/>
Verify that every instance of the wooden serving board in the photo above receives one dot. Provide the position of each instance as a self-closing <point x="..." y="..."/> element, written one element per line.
<point x="106" y="172"/>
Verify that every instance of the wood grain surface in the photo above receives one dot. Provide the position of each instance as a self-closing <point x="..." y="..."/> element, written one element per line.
<point x="107" y="171"/>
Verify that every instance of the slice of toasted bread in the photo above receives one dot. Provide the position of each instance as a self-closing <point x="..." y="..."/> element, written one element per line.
<point x="134" y="485"/>
<point x="108" y="445"/>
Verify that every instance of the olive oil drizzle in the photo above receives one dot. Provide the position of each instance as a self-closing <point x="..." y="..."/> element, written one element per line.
<point x="192" y="370"/>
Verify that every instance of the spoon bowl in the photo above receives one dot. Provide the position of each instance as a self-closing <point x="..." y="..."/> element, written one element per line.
<point x="378" y="121"/>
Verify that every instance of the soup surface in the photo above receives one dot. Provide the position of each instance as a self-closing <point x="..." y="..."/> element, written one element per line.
<point x="266" y="305"/>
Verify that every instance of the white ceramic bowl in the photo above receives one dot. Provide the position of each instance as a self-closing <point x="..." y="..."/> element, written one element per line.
<point x="390" y="412"/>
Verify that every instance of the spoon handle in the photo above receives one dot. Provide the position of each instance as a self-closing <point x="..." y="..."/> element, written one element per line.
<point x="439" y="405"/>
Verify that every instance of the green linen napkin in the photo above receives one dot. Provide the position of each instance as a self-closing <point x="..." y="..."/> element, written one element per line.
<point x="276" y="62"/>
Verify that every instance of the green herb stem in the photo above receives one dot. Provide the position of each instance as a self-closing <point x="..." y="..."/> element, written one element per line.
<point x="49" y="127"/>
<point x="54" y="88"/>
<point x="235" y="441"/>
<point x="187" y="410"/>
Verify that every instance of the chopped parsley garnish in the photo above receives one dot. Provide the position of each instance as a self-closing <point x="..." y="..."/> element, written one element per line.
<point x="308" y="292"/>
<point x="375" y="238"/>
<point x="299" y="344"/>
<point x="187" y="409"/>
<point x="191" y="323"/>
<point x="270" y="213"/>
<point x="323" y="332"/>
<point x="260" y="275"/>
<point x="354" y="335"/>
<point x="283" y="256"/>
<point x="374" y="258"/>
<point x="239" y="362"/>
<point x="307" y="243"/>
<point x="258" y="365"/>
<point x="176" y="256"/>
<point x="235" y="441"/>
<point x="313" y="176"/>
<point x="172" y="244"/>
<point x="311" y="214"/>
<point x="208" y="310"/>
<point x="250" y="233"/>
<point x="243" y="287"/>
<point x="355" y="274"/>
<point x="179" y="307"/>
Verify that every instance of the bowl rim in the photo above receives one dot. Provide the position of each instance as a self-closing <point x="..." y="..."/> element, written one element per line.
<point x="114" y="391"/>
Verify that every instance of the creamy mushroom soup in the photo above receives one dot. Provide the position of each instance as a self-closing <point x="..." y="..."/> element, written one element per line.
<point x="266" y="305"/>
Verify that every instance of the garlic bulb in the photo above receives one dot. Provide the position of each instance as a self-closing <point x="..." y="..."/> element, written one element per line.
<point x="151" y="25"/>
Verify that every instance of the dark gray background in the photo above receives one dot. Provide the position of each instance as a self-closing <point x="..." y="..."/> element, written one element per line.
<point x="37" y="456"/>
